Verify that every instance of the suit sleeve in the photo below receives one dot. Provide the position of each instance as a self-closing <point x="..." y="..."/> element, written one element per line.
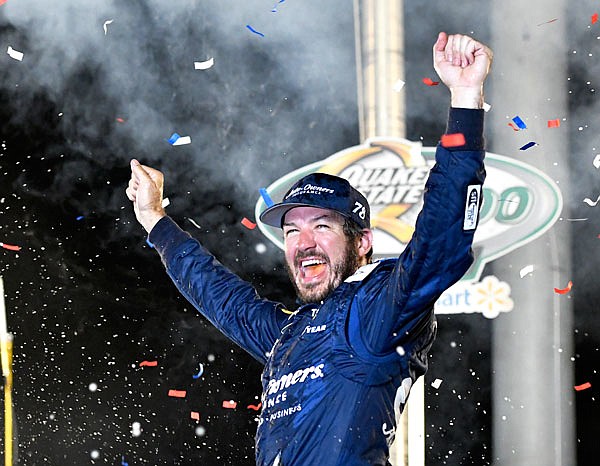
<point x="228" y="302"/>
<point x="439" y="252"/>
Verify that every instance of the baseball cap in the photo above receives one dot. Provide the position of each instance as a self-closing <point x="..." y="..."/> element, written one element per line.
<point x="324" y="191"/>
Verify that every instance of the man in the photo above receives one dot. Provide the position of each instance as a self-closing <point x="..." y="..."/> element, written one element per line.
<point x="338" y="370"/>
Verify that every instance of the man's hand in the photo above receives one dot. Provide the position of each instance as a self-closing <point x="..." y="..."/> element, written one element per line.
<point x="462" y="64"/>
<point x="145" y="190"/>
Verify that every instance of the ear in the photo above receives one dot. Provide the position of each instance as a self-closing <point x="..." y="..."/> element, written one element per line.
<point x="365" y="242"/>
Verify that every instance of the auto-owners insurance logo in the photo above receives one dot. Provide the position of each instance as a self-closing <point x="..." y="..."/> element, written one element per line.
<point x="391" y="173"/>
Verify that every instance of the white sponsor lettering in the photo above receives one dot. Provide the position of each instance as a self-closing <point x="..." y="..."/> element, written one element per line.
<point x="472" y="207"/>
<point x="292" y="378"/>
<point x="313" y="329"/>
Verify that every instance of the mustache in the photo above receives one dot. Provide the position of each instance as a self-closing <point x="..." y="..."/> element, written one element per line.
<point x="308" y="254"/>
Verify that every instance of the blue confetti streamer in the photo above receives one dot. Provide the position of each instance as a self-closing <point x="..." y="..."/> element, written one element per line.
<point x="528" y="145"/>
<point x="266" y="197"/>
<point x="255" y="31"/>
<point x="274" y="10"/>
<point x="81" y="217"/>
<point x="173" y="138"/>
<point x="149" y="243"/>
<point x="123" y="463"/>
<point x="200" y="372"/>
<point x="520" y="123"/>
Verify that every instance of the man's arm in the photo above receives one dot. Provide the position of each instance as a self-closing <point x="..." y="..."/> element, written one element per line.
<point x="439" y="252"/>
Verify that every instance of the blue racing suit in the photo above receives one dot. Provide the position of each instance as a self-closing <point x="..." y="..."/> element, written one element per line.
<point x="337" y="373"/>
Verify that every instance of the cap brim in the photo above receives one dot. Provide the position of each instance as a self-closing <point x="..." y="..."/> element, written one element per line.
<point x="273" y="215"/>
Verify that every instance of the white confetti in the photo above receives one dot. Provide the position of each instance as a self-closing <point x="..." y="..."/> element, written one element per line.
<point x="194" y="223"/>
<point x="436" y="383"/>
<point x="94" y="454"/>
<point x="182" y="140"/>
<point x="398" y="86"/>
<point x="596" y="161"/>
<point x="591" y="203"/>
<point x="166" y="202"/>
<point x="400" y="351"/>
<point x="486" y="107"/>
<point x="93" y="387"/>
<point x="105" y="25"/>
<point x="14" y="53"/>
<point x="525" y="270"/>
<point x="204" y="65"/>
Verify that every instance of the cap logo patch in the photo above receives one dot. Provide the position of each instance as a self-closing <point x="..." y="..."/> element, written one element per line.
<point x="309" y="189"/>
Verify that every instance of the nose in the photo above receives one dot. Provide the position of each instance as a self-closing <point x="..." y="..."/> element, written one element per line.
<point x="306" y="239"/>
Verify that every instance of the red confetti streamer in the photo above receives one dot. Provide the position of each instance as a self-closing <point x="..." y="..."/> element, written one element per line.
<point x="255" y="407"/>
<point x="583" y="386"/>
<point x="149" y="363"/>
<point x="594" y="18"/>
<point x="513" y="126"/>
<point x="195" y="415"/>
<point x="10" y="246"/>
<point x="248" y="224"/>
<point x="120" y="120"/>
<point x="177" y="393"/>
<point x="229" y="404"/>
<point x="430" y="82"/>
<point x="564" y="290"/>
<point x="554" y="123"/>
<point x="453" y="140"/>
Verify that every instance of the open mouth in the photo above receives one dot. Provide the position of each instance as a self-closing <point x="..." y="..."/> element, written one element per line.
<point x="312" y="268"/>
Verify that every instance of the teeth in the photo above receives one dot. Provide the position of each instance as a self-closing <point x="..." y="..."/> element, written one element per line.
<point x="310" y="262"/>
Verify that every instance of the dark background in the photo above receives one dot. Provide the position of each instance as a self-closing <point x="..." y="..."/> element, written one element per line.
<point x="87" y="299"/>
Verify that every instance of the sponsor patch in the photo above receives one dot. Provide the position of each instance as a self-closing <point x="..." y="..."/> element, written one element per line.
<point x="472" y="207"/>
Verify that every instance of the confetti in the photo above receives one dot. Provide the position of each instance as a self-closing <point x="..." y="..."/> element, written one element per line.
<point x="453" y="140"/>
<point x="182" y="140"/>
<point x="398" y="86"/>
<point x="400" y="350"/>
<point x="274" y="10"/>
<point x="148" y="363"/>
<point x="194" y="415"/>
<point x="596" y="161"/>
<point x="123" y="462"/>
<point x="81" y="217"/>
<point x="255" y="31"/>
<point x="173" y="138"/>
<point x="14" y="53"/>
<point x="430" y="82"/>
<point x="2" y="2"/>
<point x="248" y="224"/>
<point x="255" y="407"/>
<point x="149" y="243"/>
<point x="204" y="65"/>
<point x="436" y="383"/>
<point x="520" y="123"/>
<point x="486" y="107"/>
<point x="512" y="125"/>
<point x="528" y="145"/>
<point x="547" y="22"/>
<point x="266" y="197"/>
<point x="564" y="290"/>
<point x="120" y="120"/>
<point x="591" y="203"/>
<point x="526" y="270"/>
<point x="200" y="372"/>
<point x="583" y="386"/>
<point x="229" y="404"/>
<point x="10" y="246"/>
<point x="594" y="18"/>
<point x="105" y="25"/>
<point x="194" y="223"/>
<point x="177" y="393"/>
<point x="554" y="123"/>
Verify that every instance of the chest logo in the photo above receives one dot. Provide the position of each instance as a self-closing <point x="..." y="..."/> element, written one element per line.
<point x="315" y="329"/>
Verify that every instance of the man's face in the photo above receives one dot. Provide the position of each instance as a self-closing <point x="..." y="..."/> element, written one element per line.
<point x="319" y="256"/>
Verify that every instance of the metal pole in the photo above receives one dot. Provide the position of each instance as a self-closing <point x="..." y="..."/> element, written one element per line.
<point x="532" y="397"/>
<point x="379" y="27"/>
<point x="6" y="350"/>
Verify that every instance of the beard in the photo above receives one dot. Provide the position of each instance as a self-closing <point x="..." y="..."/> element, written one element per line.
<point x="317" y="292"/>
